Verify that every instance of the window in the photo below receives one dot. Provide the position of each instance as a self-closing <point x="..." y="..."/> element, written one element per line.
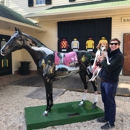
<point x="38" y="2"/>
<point x="71" y="0"/>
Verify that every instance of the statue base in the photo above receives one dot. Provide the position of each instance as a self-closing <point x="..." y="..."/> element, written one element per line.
<point x="63" y="113"/>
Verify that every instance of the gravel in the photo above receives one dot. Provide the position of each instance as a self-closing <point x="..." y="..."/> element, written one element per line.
<point x="13" y="100"/>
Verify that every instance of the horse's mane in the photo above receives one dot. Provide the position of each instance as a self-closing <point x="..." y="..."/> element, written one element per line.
<point x="37" y="42"/>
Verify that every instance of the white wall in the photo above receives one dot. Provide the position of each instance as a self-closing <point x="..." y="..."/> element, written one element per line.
<point x="119" y="28"/>
<point x="22" y="6"/>
<point x="50" y="36"/>
<point x="66" y="2"/>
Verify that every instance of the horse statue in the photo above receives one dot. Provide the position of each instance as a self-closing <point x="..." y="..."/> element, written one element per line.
<point x="52" y="65"/>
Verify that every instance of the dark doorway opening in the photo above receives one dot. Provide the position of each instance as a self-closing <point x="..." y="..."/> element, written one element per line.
<point x="5" y="61"/>
<point x="83" y="34"/>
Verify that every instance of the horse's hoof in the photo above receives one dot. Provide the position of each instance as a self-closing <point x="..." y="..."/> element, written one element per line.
<point x="49" y="110"/>
<point x="45" y="113"/>
<point x="51" y="105"/>
<point x="94" y="106"/>
<point x="81" y="103"/>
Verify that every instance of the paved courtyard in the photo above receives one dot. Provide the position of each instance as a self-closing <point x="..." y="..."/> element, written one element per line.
<point x="73" y="83"/>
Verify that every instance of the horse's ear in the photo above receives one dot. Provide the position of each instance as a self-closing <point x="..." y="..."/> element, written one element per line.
<point x="16" y="29"/>
<point x="19" y="31"/>
<point x="98" y="46"/>
<point x="107" y="45"/>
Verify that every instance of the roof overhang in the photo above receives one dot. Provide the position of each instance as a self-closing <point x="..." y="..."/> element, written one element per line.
<point x="80" y="15"/>
<point x="8" y="24"/>
<point x="86" y="11"/>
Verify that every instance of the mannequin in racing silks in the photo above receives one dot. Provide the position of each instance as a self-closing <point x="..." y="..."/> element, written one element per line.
<point x="90" y="44"/>
<point x="75" y="45"/>
<point x="64" y="45"/>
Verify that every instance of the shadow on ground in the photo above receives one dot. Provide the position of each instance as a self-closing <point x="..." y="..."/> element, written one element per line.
<point x="38" y="93"/>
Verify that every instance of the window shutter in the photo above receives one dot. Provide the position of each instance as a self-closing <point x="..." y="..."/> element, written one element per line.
<point x="71" y="0"/>
<point x="48" y="2"/>
<point x="30" y="3"/>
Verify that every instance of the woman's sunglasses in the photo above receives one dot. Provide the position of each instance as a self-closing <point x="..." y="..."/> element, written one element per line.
<point x="114" y="44"/>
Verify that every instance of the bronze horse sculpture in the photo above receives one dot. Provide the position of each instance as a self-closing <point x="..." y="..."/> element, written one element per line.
<point x="53" y="65"/>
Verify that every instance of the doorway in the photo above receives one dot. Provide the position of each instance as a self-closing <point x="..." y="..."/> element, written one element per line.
<point x="5" y="61"/>
<point x="126" y="51"/>
<point x="83" y="34"/>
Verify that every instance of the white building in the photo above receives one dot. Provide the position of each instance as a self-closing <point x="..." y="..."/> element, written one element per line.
<point x="69" y="19"/>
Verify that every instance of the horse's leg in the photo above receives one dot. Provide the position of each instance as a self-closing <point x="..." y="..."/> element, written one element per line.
<point x="95" y="87"/>
<point x="49" y="95"/>
<point x="48" y="75"/>
<point x="83" y="78"/>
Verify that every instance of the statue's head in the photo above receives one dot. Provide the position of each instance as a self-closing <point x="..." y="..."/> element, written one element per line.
<point x="15" y="43"/>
